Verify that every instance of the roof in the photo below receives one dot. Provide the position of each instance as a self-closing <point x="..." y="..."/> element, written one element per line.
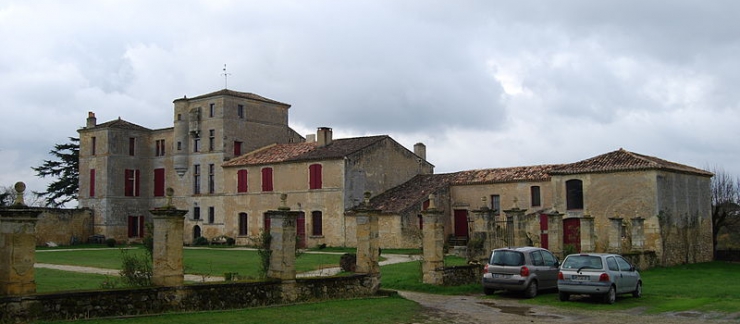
<point x="297" y="152"/>
<point x="227" y="92"/>
<point x="623" y="160"/>
<point x="122" y="124"/>
<point x="504" y="175"/>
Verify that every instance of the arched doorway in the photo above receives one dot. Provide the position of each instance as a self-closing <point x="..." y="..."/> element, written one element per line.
<point x="196" y="232"/>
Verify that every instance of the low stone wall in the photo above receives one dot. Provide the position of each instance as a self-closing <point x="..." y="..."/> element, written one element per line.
<point x="200" y="297"/>
<point x="643" y="260"/>
<point x="64" y="226"/>
<point x="462" y="275"/>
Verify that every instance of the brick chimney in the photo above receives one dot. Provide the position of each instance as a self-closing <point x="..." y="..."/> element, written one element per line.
<point x="324" y="136"/>
<point x="420" y="150"/>
<point x="91" y="120"/>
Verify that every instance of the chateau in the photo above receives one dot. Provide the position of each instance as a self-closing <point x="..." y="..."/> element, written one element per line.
<point x="229" y="156"/>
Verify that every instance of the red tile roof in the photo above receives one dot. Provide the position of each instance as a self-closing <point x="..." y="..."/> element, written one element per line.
<point x="226" y="92"/>
<point x="623" y="160"/>
<point x="503" y="175"/>
<point x="120" y="123"/>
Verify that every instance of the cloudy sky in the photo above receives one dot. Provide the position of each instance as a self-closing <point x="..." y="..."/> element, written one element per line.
<point x="482" y="83"/>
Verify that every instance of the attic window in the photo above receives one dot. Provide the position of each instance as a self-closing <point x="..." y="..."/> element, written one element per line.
<point x="574" y="194"/>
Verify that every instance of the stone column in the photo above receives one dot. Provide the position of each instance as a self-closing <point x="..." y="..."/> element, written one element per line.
<point x="18" y="246"/>
<point x="615" y="234"/>
<point x="555" y="233"/>
<point x="485" y="229"/>
<point x="368" y="245"/>
<point x="282" y="242"/>
<point x="516" y="214"/>
<point x="167" y="240"/>
<point x="638" y="234"/>
<point x="588" y="236"/>
<point x="433" y="245"/>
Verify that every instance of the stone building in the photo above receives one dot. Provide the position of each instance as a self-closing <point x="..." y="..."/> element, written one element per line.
<point x="125" y="168"/>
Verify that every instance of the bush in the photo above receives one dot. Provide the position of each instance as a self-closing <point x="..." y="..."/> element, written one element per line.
<point x="348" y="262"/>
<point x="264" y="252"/>
<point x="200" y="241"/>
<point x="230" y="241"/>
<point x="136" y="270"/>
<point x="111" y="242"/>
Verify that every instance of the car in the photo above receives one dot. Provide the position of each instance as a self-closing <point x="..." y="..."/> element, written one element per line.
<point x="526" y="269"/>
<point x="602" y="275"/>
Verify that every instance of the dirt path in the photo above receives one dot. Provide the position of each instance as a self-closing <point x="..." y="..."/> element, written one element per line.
<point x="475" y="310"/>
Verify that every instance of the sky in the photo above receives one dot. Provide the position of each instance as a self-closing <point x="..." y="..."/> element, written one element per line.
<point x="483" y="84"/>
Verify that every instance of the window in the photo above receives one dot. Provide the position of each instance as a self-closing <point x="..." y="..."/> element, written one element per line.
<point x="243" y="228"/>
<point x="624" y="265"/>
<point x="211" y="182"/>
<point x="179" y="146"/>
<point x="211" y="110"/>
<point x="537" y="258"/>
<point x="267" y="179"/>
<point x="196" y="144"/>
<point x="549" y="258"/>
<point x="93" y="144"/>
<point x="240" y="111"/>
<point x="131" y="184"/>
<point x="211" y="215"/>
<point x="131" y="145"/>
<point x="159" y="147"/>
<point x="136" y="226"/>
<point x="211" y="139"/>
<point x="314" y="181"/>
<point x="316" y="223"/>
<point x="574" y="194"/>
<point x="92" y="182"/>
<point x="196" y="213"/>
<point x="496" y="204"/>
<point x="196" y="179"/>
<point x="237" y="148"/>
<point x="612" y="264"/>
<point x="159" y="182"/>
<point x="535" y="196"/>
<point x="241" y="181"/>
<point x="179" y="116"/>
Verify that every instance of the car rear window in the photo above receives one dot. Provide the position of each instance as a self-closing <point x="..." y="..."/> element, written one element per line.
<point x="507" y="258"/>
<point x="582" y="262"/>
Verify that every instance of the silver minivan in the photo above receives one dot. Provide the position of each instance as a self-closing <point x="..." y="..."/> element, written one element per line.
<point x="598" y="274"/>
<point x="528" y="269"/>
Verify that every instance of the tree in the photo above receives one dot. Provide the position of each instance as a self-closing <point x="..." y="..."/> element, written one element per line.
<point x="65" y="168"/>
<point x="725" y="203"/>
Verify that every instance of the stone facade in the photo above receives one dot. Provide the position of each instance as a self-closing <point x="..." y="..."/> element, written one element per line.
<point x="64" y="226"/>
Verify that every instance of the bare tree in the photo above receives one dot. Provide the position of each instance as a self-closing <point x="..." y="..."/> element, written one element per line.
<point x="725" y="203"/>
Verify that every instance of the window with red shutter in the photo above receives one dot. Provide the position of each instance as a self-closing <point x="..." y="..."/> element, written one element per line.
<point x="314" y="171"/>
<point x="241" y="179"/>
<point x="159" y="182"/>
<point x="92" y="182"/>
<point x="267" y="179"/>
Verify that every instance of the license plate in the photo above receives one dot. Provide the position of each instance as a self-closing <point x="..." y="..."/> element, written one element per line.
<point x="501" y="275"/>
<point x="580" y="278"/>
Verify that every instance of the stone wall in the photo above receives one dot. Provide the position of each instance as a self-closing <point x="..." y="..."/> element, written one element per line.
<point x="462" y="275"/>
<point x="155" y="300"/>
<point x="64" y="226"/>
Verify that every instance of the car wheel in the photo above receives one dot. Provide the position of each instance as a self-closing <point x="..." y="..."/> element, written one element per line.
<point x="611" y="296"/>
<point x="488" y="291"/>
<point x="638" y="290"/>
<point x="531" y="290"/>
<point x="564" y="296"/>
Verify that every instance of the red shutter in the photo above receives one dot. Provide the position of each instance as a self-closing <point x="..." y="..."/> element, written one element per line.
<point x="141" y="226"/>
<point x="137" y="177"/>
<point x="314" y="171"/>
<point x="237" y="148"/>
<point x="131" y="224"/>
<point x="159" y="182"/>
<point x="128" y="189"/>
<point x="92" y="182"/>
<point x="241" y="178"/>
<point x="267" y="179"/>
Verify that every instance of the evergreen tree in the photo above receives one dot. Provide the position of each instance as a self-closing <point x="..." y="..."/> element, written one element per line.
<point x="65" y="168"/>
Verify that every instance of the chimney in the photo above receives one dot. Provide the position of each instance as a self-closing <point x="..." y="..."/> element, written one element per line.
<point x="310" y="138"/>
<point x="420" y="150"/>
<point x="323" y="136"/>
<point x="91" y="120"/>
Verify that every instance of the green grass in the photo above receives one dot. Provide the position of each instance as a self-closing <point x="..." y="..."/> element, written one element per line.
<point x="367" y="310"/>
<point x="48" y="280"/>
<point x="407" y="276"/>
<point x="706" y="287"/>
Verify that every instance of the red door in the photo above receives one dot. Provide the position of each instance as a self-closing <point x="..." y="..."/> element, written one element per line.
<point x="572" y="233"/>
<point x="266" y="227"/>
<point x="461" y="223"/>
<point x="301" y="230"/>
<point x="543" y="231"/>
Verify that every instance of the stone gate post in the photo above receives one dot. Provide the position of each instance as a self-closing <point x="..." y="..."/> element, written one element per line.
<point x="283" y="241"/>
<point x="555" y="233"/>
<point x="516" y="214"/>
<point x="368" y="242"/>
<point x="588" y="235"/>
<point x="167" y="234"/>
<point x="615" y="234"/>
<point x="484" y="228"/>
<point x="433" y="244"/>
<point x="18" y="246"/>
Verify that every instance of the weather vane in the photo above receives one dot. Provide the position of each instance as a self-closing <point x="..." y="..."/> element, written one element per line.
<point x="226" y="77"/>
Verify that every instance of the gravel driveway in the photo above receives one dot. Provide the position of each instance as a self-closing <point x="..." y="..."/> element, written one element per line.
<point x="475" y="309"/>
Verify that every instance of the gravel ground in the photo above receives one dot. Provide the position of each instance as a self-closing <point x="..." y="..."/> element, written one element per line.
<point x="474" y="309"/>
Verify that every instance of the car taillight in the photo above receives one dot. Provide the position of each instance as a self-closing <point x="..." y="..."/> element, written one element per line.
<point x="485" y="269"/>
<point x="604" y="277"/>
<point x="560" y="276"/>
<point x="524" y="272"/>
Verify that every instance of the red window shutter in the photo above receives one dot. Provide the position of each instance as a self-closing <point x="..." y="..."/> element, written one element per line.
<point x="314" y="171"/>
<point x="92" y="182"/>
<point x="137" y="177"/>
<point x="128" y="183"/>
<point x="237" y="148"/>
<point x="241" y="181"/>
<point x="141" y="226"/>
<point x="267" y="179"/>
<point x="131" y="224"/>
<point x="159" y="182"/>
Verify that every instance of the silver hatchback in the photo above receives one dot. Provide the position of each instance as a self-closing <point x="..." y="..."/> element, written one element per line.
<point x="527" y="269"/>
<point x="598" y="274"/>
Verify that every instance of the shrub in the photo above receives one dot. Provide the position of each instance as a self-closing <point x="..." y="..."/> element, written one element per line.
<point x="264" y="252"/>
<point x="348" y="262"/>
<point x="230" y="241"/>
<point x="111" y="242"/>
<point x="201" y="240"/>
<point x="136" y="270"/>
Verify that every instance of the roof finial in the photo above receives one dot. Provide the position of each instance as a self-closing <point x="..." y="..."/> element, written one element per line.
<point x="226" y="77"/>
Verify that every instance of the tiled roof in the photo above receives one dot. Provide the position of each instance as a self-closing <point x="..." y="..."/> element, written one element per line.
<point x="623" y="160"/>
<point x="296" y="152"/>
<point x="503" y="175"/>
<point x="227" y="92"/>
<point x="120" y="123"/>
<point x="416" y="190"/>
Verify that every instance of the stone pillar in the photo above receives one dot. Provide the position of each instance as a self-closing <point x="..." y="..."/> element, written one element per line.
<point x="484" y="228"/>
<point x="588" y="237"/>
<point x="516" y="214"/>
<point x="555" y="233"/>
<point x="433" y="245"/>
<point x="18" y="246"/>
<point x="638" y="233"/>
<point x="615" y="234"/>
<point x="368" y="245"/>
<point x="282" y="242"/>
<point x="167" y="239"/>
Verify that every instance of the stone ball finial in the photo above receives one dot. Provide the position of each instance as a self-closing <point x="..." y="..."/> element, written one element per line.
<point x="432" y="201"/>
<point x="19" y="187"/>
<point x="169" y="192"/>
<point x="366" y="199"/>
